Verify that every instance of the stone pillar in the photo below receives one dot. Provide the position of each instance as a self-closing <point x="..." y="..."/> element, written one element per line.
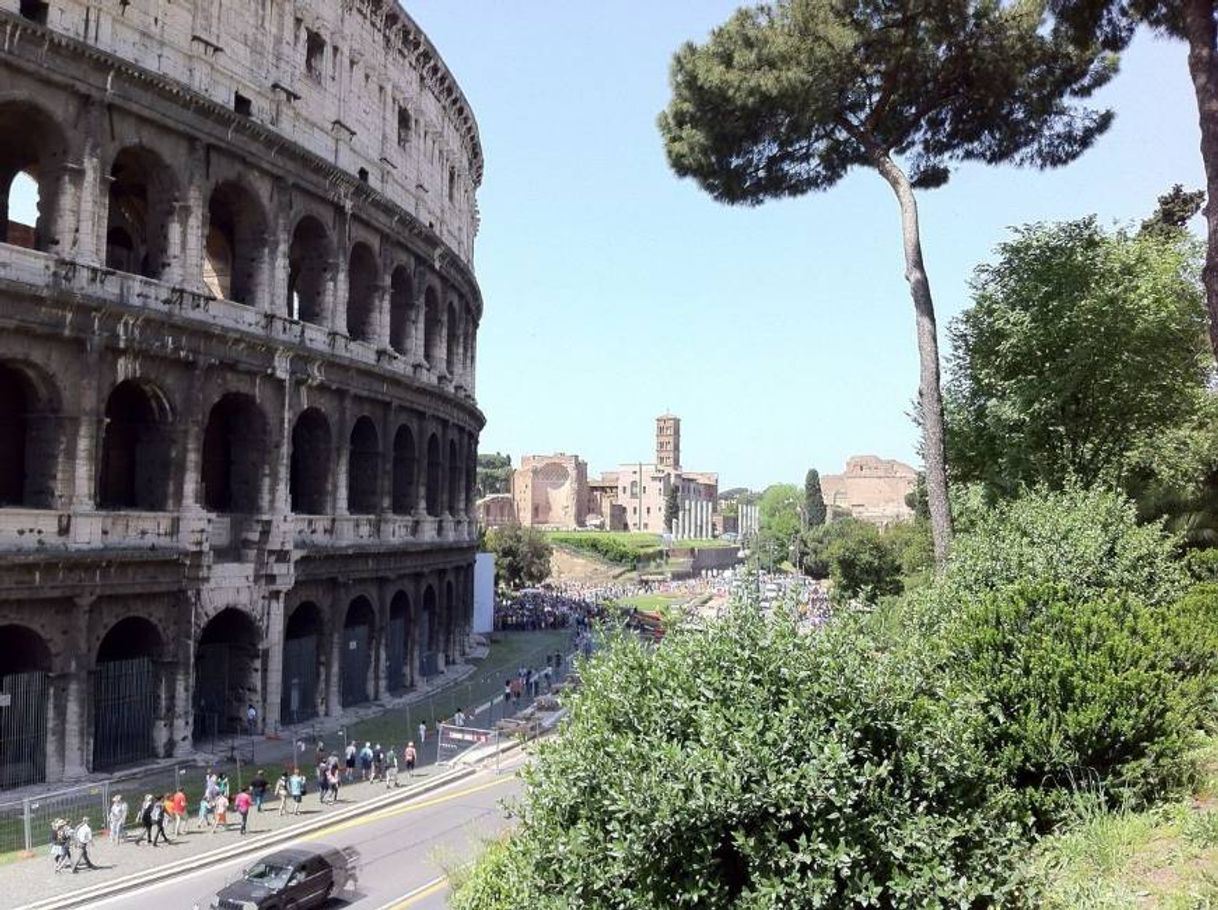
<point x="77" y="724"/>
<point x="272" y="652"/>
<point x="380" y="657"/>
<point x="193" y="212"/>
<point x="89" y="429"/>
<point x="380" y="314"/>
<point x="338" y="607"/>
<point x="342" y="455"/>
<point x="338" y="288"/>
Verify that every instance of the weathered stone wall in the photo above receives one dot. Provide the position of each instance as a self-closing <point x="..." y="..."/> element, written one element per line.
<point x="237" y="409"/>
<point x="871" y="488"/>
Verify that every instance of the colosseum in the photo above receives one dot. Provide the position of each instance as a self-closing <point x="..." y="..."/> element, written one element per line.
<point x="237" y="343"/>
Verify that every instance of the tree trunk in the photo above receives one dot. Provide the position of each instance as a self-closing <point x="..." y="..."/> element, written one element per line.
<point x="1199" y="30"/>
<point x="930" y="398"/>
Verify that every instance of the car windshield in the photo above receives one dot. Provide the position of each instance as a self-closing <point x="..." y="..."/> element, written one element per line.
<point x="268" y="874"/>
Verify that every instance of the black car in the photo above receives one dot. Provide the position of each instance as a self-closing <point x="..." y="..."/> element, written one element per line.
<point x="290" y="879"/>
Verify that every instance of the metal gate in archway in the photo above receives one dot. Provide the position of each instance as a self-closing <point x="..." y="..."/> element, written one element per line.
<point x="213" y="671"/>
<point x="124" y="712"/>
<point x="357" y="652"/>
<point x="395" y="655"/>
<point x="300" y="674"/>
<point x="23" y="728"/>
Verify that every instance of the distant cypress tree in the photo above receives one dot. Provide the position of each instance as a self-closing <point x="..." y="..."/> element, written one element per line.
<point x="672" y="505"/>
<point x="815" y="511"/>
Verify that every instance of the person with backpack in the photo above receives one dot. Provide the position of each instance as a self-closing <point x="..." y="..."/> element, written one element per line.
<point x="258" y="787"/>
<point x="349" y="760"/>
<point x="145" y="819"/>
<point x="60" y="853"/>
<point x="157" y="811"/>
<point x="365" y="761"/>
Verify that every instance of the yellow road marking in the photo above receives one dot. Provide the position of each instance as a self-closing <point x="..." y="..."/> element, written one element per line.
<point x="402" y="810"/>
<point x="435" y="886"/>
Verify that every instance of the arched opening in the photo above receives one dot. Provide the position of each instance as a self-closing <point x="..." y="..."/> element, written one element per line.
<point x="234" y="451"/>
<point x="471" y="474"/>
<point x="137" y="450"/>
<point x="228" y="668"/>
<point x="429" y="628"/>
<point x="29" y="441"/>
<point x="25" y="666"/>
<point x="397" y="644"/>
<point x="401" y="301"/>
<point x="435" y="505"/>
<point x="310" y="259"/>
<point x="403" y="471"/>
<point x="302" y="657"/>
<point x="431" y="327"/>
<point x="361" y="293"/>
<point x="142" y="195"/>
<point x="310" y="469"/>
<point x="33" y="152"/>
<point x="453" y="472"/>
<point x="359" y="629"/>
<point x="126" y="694"/>
<point x="451" y="341"/>
<point x="363" y="469"/>
<point x="235" y="244"/>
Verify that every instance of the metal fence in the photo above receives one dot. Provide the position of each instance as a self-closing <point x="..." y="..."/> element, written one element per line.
<point x="23" y="728"/>
<point x="124" y="709"/>
<point x="300" y="666"/>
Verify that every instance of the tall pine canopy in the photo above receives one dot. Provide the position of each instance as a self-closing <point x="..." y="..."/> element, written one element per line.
<point x="788" y="97"/>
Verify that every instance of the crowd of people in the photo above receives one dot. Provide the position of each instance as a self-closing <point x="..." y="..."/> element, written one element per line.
<point x="535" y="609"/>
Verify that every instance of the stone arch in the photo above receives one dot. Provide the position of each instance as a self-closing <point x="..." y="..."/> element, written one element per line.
<point x="303" y="655"/>
<point x="362" y="280"/>
<point x="33" y="144"/>
<point x="398" y="672"/>
<point x="25" y="667"/>
<point x="228" y="669"/>
<point x="235" y="243"/>
<point x="401" y="305"/>
<point x="431" y="327"/>
<point x="234" y="455"/>
<point x="29" y="437"/>
<point x="364" y="468"/>
<point x="136" y="470"/>
<point x="404" y="464"/>
<point x="143" y="190"/>
<point x="452" y="340"/>
<point x="310" y="262"/>
<point x="126" y="693"/>
<point x="358" y="649"/>
<point x="312" y="446"/>
<point x="435" y="494"/>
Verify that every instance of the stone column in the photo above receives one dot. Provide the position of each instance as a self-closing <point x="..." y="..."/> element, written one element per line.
<point x="273" y="657"/>
<point x="90" y="428"/>
<point x="77" y="723"/>
<point x="380" y="657"/>
<point x="338" y="605"/>
<point x="342" y="455"/>
<point x="193" y="211"/>
<point x="338" y="287"/>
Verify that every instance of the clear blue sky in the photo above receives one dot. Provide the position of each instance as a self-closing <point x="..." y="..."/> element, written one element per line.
<point x="782" y="335"/>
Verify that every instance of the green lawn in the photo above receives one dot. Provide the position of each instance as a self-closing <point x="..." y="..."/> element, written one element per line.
<point x="652" y="603"/>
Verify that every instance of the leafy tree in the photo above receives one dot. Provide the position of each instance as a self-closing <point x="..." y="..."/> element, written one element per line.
<point x="749" y="765"/>
<point x="522" y="556"/>
<point x="494" y="474"/>
<point x="1176" y="208"/>
<point x="672" y="507"/>
<point x="1113" y="23"/>
<point x="916" y="499"/>
<point x="1081" y="346"/>
<point x="863" y="564"/>
<point x="778" y="514"/>
<point x="788" y="97"/>
<point x="815" y="511"/>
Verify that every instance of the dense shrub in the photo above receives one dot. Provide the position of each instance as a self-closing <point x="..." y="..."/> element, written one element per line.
<point x="620" y="549"/>
<point x="863" y="563"/>
<point x="749" y="766"/>
<point x="1083" y="692"/>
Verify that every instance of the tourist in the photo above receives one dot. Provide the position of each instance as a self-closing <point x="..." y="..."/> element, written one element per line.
<point x="145" y="819"/>
<point x="378" y="763"/>
<point x="61" y="852"/>
<point x="296" y="789"/>
<point x="84" y="837"/>
<point x="242" y="803"/>
<point x="118" y="818"/>
<point x="258" y="788"/>
<point x="391" y="768"/>
<point x="365" y="761"/>
<point x="158" y="819"/>
<point x="221" y="820"/>
<point x="332" y="780"/>
<point x="409" y="757"/>
<point x="323" y="782"/>
<point x="422" y="732"/>
<point x="459" y="718"/>
<point x="251" y="718"/>
<point x="349" y="756"/>
<point x="180" y="809"/>
<point x="281" y="790"/>
<point x="207" y="806"/>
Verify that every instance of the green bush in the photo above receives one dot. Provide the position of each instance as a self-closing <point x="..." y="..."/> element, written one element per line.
<point x="620" y="549"/>
<point x="1082" y="692"/>
<point x="747" y="765"/>
<point x="1202" y="565"/>
<point x="863" y="563"/>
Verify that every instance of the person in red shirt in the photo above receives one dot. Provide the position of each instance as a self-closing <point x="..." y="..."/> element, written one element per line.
<point x="178" y="802"/>
<point x="243" y="801"/>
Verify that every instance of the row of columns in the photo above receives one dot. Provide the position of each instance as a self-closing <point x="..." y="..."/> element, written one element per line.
<point x="694" y="520"/>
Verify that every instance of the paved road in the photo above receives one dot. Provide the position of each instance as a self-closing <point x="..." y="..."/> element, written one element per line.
<point x="403" y="849"/>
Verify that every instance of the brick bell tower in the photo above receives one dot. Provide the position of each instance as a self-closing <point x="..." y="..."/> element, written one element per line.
<point x="668" y="442"/>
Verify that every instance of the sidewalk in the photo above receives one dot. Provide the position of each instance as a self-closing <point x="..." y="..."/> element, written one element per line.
<point x="31" y="880"/>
